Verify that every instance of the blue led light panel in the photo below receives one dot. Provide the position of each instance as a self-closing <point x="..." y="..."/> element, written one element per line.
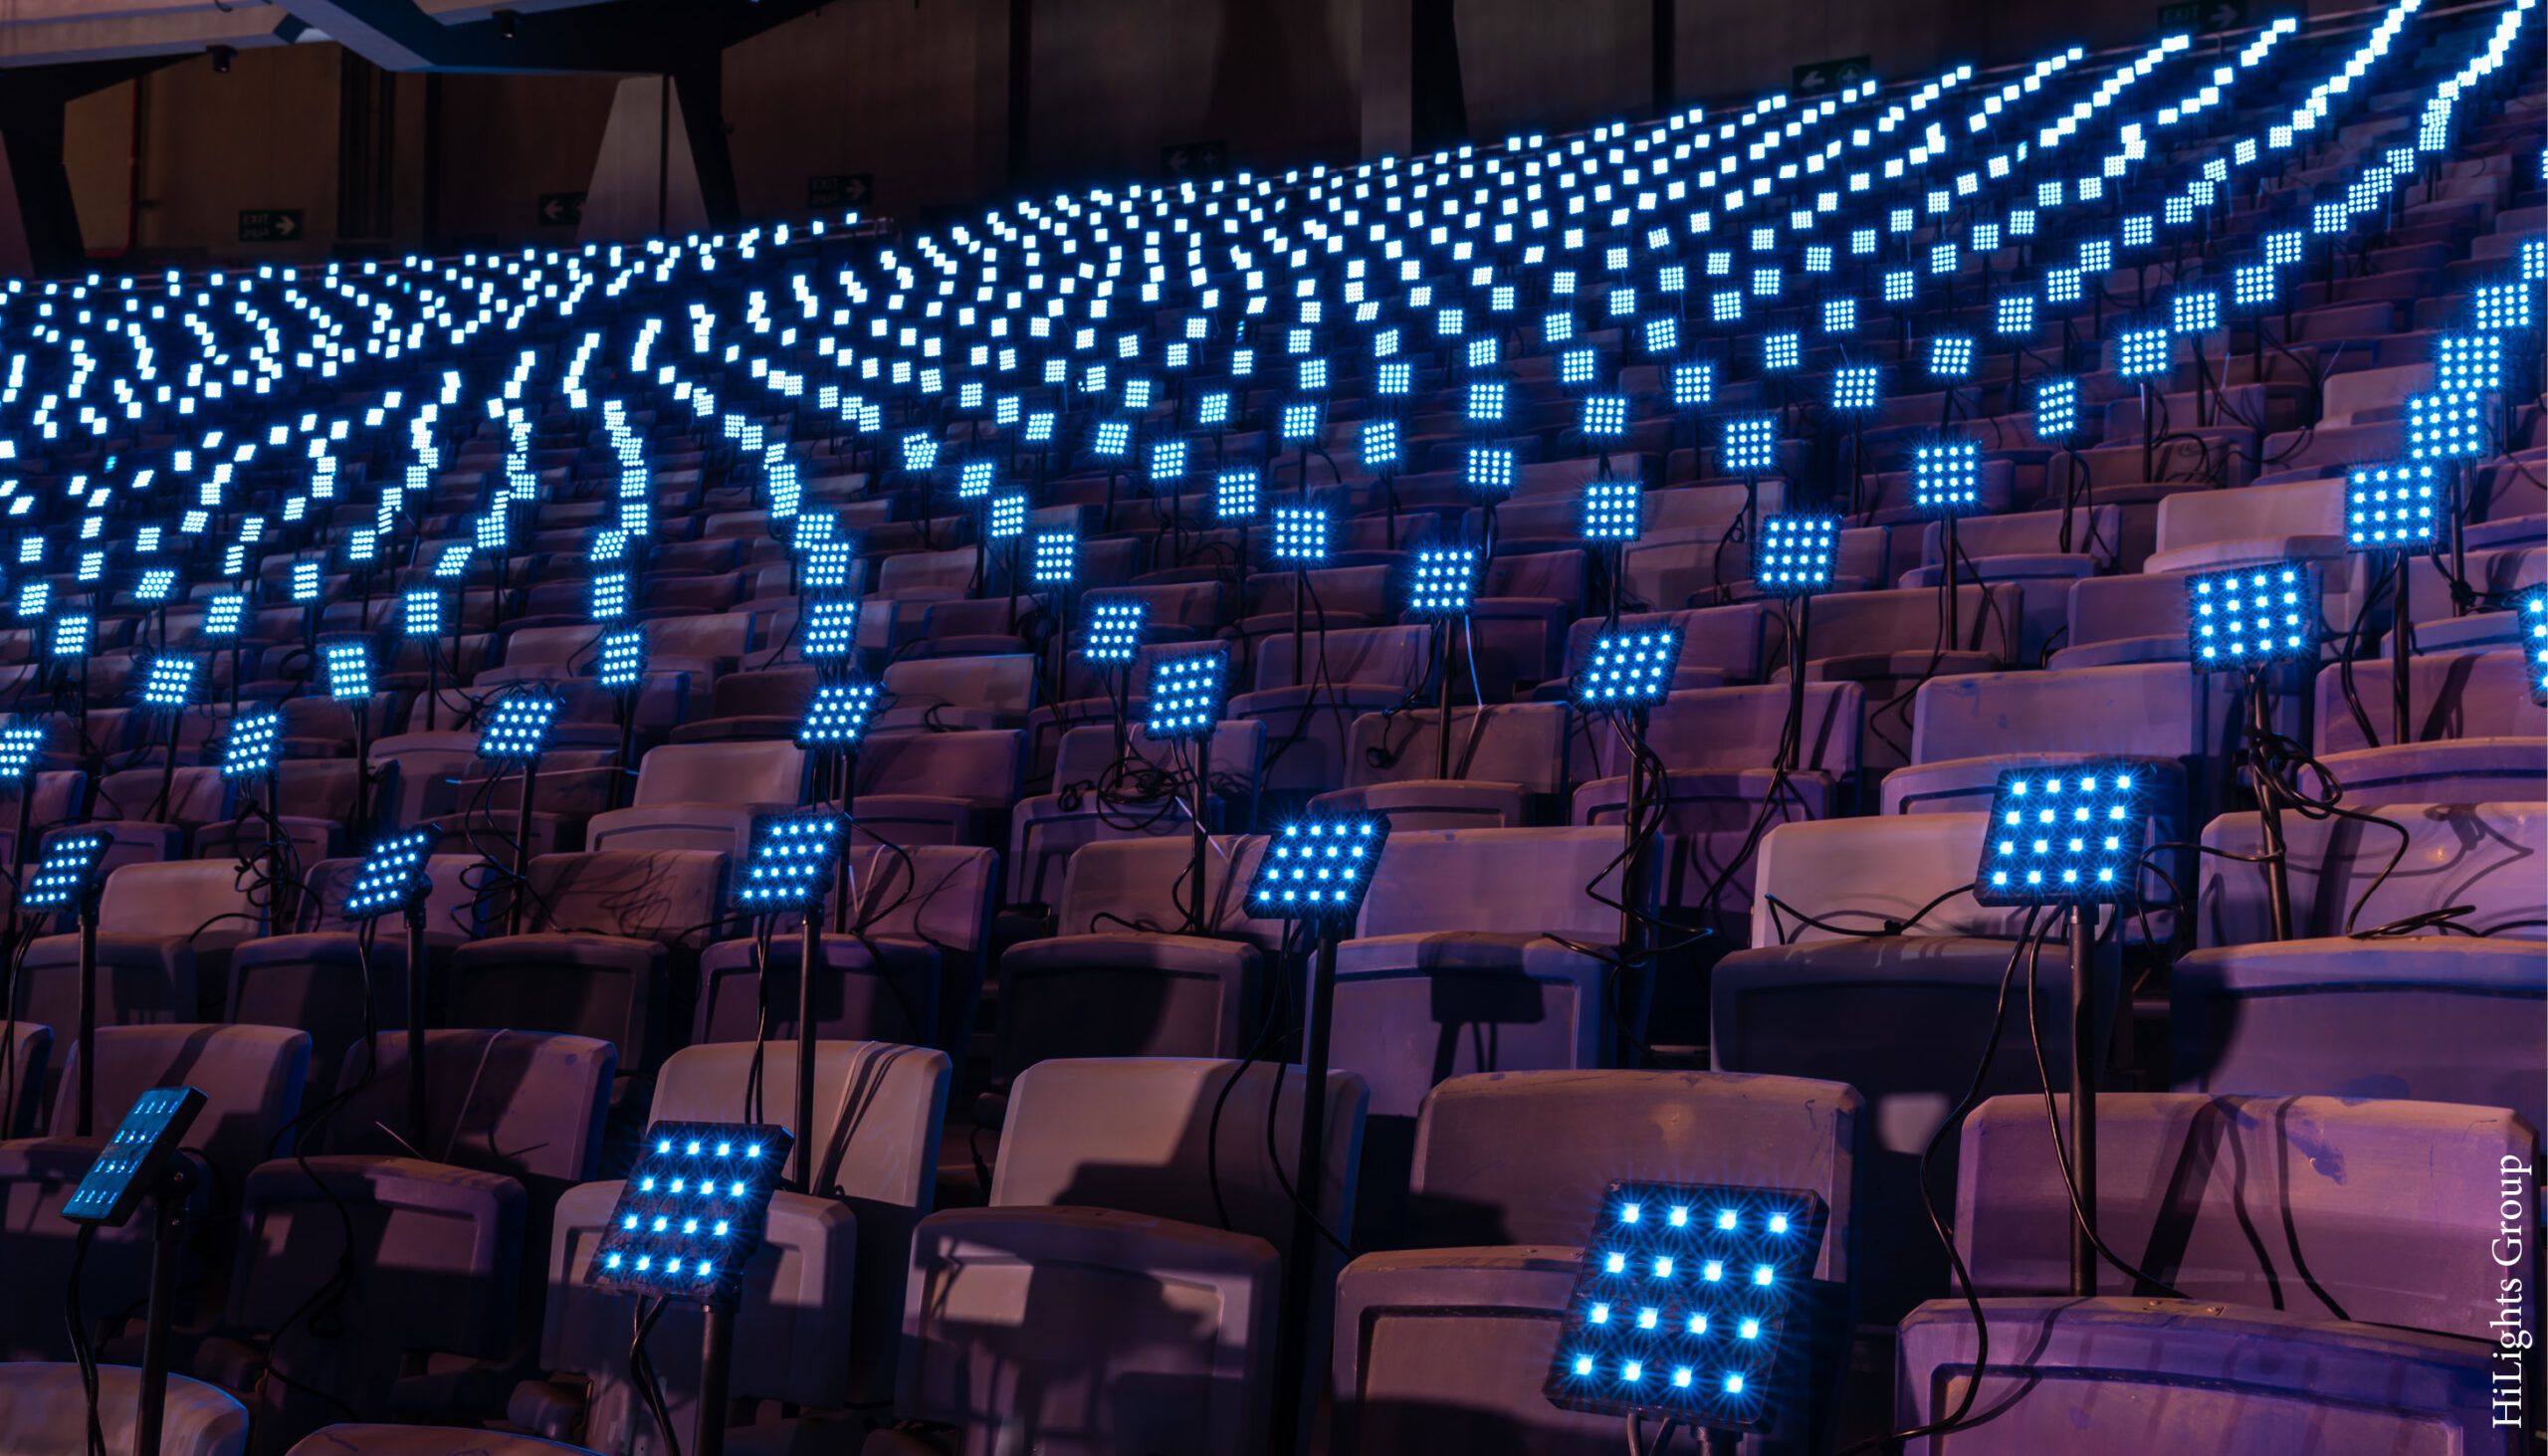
<point x="21" y="739"/>
<point x="1234" y="495"/>
<point x="223" y="614"/>
<point x="1684" y="1303"/>
<point x="248" y="748"/>
<point x="2391" y="507"/>
<point x="2502" y="307"/>
<point x="1945" y="476"/>
<point x="129" y="1167"/>
<point x="1950" y="356"/>
<point x="692" y="1212"/>
<point x="830" y="629"/>
<point x="1781" y="352"/>
<point x="828" y="565"/>
<point x="2140" y="353"/>
<point x="420" y="612"/>
<point x="1856" y="387"/>
<point x="64" y="872"/>
<point x="1114" y="628"/>
<point x="1381" y="449"/>
<point x="1186" y="694"/>
<point x="1605" y="416"/>
<point x="1794" y="555"/>
<point x="975" y="479"/>
<point x="1484" y="404"/>
<point x="2446" y="425"/>
<point x="619" y="658"/>
<point x="347" y="661"/>
<point x="1444" y="580"/>
<point x="2534" y="640"/>
<point x="517" y="724"/>
<point x="1489" y="472"/>
<point x="837" y="716"/>
<point x="1751" y="444"/>
<point x="609" y="597"/>
<point x="791" y="862"/>
<point x="393" y="876"/>
<point x="1693" y="385"/>
<point x="2468" y="362"/>
<point x="1629" y="669"/>
<point x="2012" y="314"/>
<point x="1318" y="869"/>
<point x="1613" y="510"/>
<point x="1167" y="462"/>
<point x="1008" y="517"/>
<point x="2253" y="615"/>
<point x="2069" y="835"/>
<point x="1056" y="558"/>
<point x="2056" y="408"/>
<point x="168" y="683"/>
<point x="1299" y="421"/>
<point x="1300" y="532"/>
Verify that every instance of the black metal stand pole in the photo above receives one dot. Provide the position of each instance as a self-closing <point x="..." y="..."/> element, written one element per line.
<point x="2400" y="650"/>
<point x="2086" y="1051"/>
<point x="809" y="954"/>
<point x="1309" y="1178"/>
<point x="1443" y="698"/>
<point x="167" y="1236"/>
<point x="1792" y="752"/>
<point x="415" y="947"/>
<point x="521" y="847"/>
<point x="1955" y="633"/>
<point x="715" y="1372"/>
<point x="2269" y="808"/>
<point x="1200" y="922"/>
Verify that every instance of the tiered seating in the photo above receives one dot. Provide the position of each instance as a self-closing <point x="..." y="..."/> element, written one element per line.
<point x="1894" y="428"/>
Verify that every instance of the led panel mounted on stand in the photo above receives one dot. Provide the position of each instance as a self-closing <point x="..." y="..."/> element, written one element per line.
<point x="129" y="1167"/>
<point x="2013" y="315"/>
<point x="1950" y="356"/>
<point x="609" y="599"/>
<point x="1613" y="509"/>
<point x="1781" y="352"/>
<point x="168" y="682"/>
<point x="1685" y="1304"/>
<point x="1605" y="416"/>
<point x="393" y="876"/>
<point x="2143" y="353"/>
<point x="2468" y="363"/>
<point x="1300" y="422"/>
<point x="1693" y="385"/>
<point x="974" y="478"/>
<point x="619" y="658"/>
<point x="223" y="616"/>
<point x="1856" y="388"/>
<point x="2255" y="286"/>
<point x="2504" y="308"/>
<point x="1300" y="534"/>
<point x="420" y="612"/>
<point x="791" y="862"/>
<point x="2446" y="425"/>
<point x="1488" y="471"/>
<point x="347" y="661"/>
<point x="1055" y="558"/>
<point x="2390" y="508"/>
<point x="1114" y="628"/>
<point x="1381" y="449"/>
<point x="1629" y="669"/>
<point x="829" y="631"/>
<point x="1751" y="445"/>
<point x="691" y="1212"/>
<point x="2056" y="408"/>
<point x="2535" y="641"/>
<point x="1794" y="555"/>
<point x="1007" y="519"/>
<point x="1443" y="582"/>
<point x="1186" y="690"/>
<point x="2253" y="615"/>
<point x="1318" y="869"/>
<point x="64" y="872"/>
<point x="828" y="565"/>
<point x="1168" y="461"/>
<point x="1946" y="477"/>
<point x="21" y="741"/>
<point x="2065" y="834"/>
<point x="517" y="724"/>
<point x="70" y="635"/>
<point x="837" y="718"/>
<point x="248" y="747"/>
<point x="1235" y="493"/>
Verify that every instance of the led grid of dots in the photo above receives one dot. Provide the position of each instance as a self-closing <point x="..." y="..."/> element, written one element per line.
<point x="1317" y="868"/>
<point x="305" y="581"/>
<point x="1007" y="518"/>
<point x="2391" y="507"/>
<point x="829" y="631"/>
<point x="1693" y="385"/>
<point x="1056" y="558"/>
<point x="1234" y="495"/>
<point x="157" y="585"/>
<point x="1443" y="582"/>
<point x="2197" y="312"/>
<point x="393" y="876"/>
<point x="223" y="614"/>
<point x="61" y="873"/>
<point x="2502" y="307"/>
<point x="1613" y="510"/>
<point x="1629" y="669"/>
<point x="2252" y="615"/>
<point x="454" y="563"/>
<point x="1682" y="1303"/>
<point x="1114" y="628"/>
<point x="2446" y="425"/>
<point x="2056" y="408"/>
<point x="248" y="747"/>
<point x="420" y="612"/>
<point x="1300" y="421"/>
<point x="21" y="739"/>
<point x="1186" y="694"/>
<point x="610" y="596"/>
<point x="517" y="725"/>
<point x="2471" y="363"/>
<point x="1950" y="356"/>
<point x="620" y="661"/>
<point x="1856" y="387"/>
<point x="2065" y="835"/>
<point x="2140" y="353"/>
<point x="1167" y="462"/>
<point x="1605" y="416"/>
<point x="692" y="1212"/>
<point x="1489" y="471"/>
<point x="791" y="861"/>
<point x="919" y="451"/>
<point x="2255" y="286"/>
<point x="349" y="664"/>
<point x="975" y="479"/>
<point x="1793" y="557"/>
<point x="1485" y="402"/>
<point x="1781" y="352"/>
<point x="2534" y="636"/>
<point x="2012" y="314"/>
<point x="1576" y="367"/>
<point x="115" y="1184"/>
<point x="1300" y="532"/>
<point x="837" y="716"/>
<point x="1751" y="444"/>
<point x="1379" y="445"/>
<point x="828" y="565"/>
<point x="1945" y="476"/>
<point x="1112" y="439"/>
<point x="169" y="680"/>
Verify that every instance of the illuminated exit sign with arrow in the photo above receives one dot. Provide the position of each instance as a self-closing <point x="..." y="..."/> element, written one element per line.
<point x="269" y="225"/>
<point x="1814" y="77"/>
<point x="2204" y="16"/>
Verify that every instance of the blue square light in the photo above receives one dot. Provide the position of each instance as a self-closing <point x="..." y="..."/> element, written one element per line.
<point x="1489" y="472"/>
<point x="129" y="1167"/>
<point x="420" y="612"/>
<point x="2468" y="363"/>
<point x="347" y="661"/>
<point x="71" y="634"/>
<point x="21" y="741"/>
<point x="1186" y="690"/>
<point x="157" y="585"/>
<point x="1443" y="582"/>
<point x="168" y="682"/>
<point x="1751" y="444"/>
<point x="609" y="597"/>
<point x="828" y="565"/>
<point x="1114" y="628"/>
<point x="1007" y="519"/>
<point x="691" y="1212"/>
<point x="2534" y="639"/>
<point x="1235" y="493"/>
<point x="1946" y="477"/>
<point x="1781" y="352"/>
<point x="2013" y="315"/>
<point x="2255" y="286"/>
<point x="919" y="451"/>
<point x="1300" y="534"/>
<point x="305" y="582"/>
<point x="1484" y="402"/>
<point x="2502" y="307"/>
<point x="2253" y="615"/>
<point x="838" y="715"/>
<point x="1856" y="388"/>
<point x="1317" y="868"/>
<point x="1950" y="356"/>
<point x="975" y="477"/>
<point x="1300" y="421"/>
<point x="223" y="614"/>
<point x="1693" y="384"/>
<point x="65" y="871"/>
<point x="1612" y="509"/>
<point x="2446" y="425"/>
<point x="2390" y="508"/>
<point x="2195" y="312"/>
<point x="2141" y="354"/>
<point x="1629" y="669"/>
<point x="2056" y="408"/>
<point x="1794" y="555"/>
<point x="1684" y="1304"/>
<point x="1055" y="560"/>
<point x="248" y="748"/>
<point x="829" y="631"/>
<point x="2065" y="834"/>
<point x="454" y="562"/>
<point x="619" y="658"/>
<point x="1380" y="448"/>
<point x="1605" y="416"/>
<point x="517" y="724"/>
<point x="791" y="862"/>
<point x="1168" y="461"/>
<point x="1577" y="367"/>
